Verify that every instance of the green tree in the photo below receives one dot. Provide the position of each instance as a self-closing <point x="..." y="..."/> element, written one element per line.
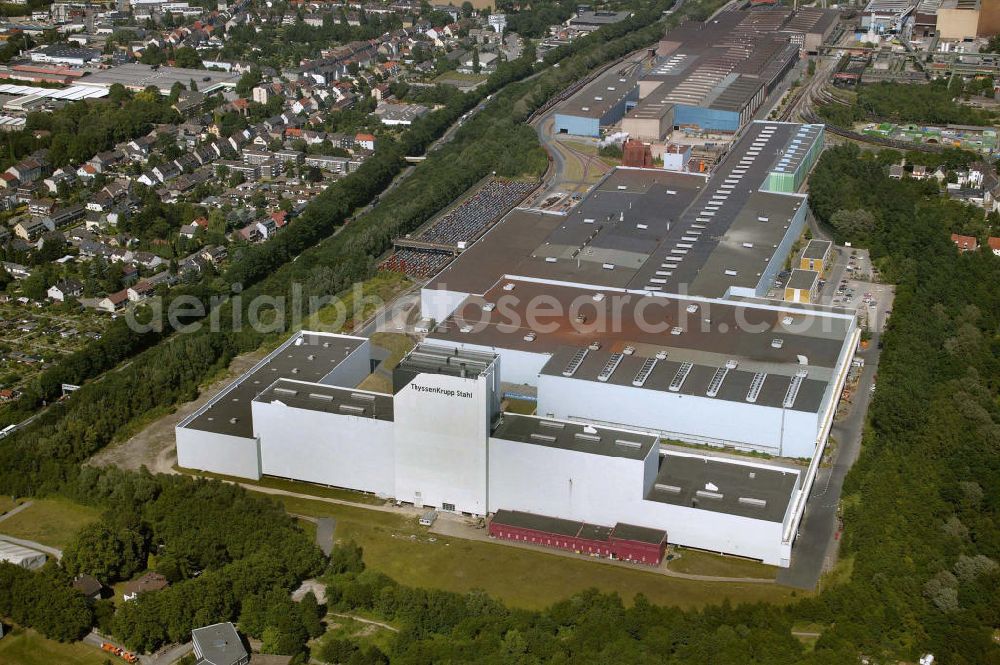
<point x="108" y="552"/>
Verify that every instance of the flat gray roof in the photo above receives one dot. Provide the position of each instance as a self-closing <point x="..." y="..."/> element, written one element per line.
<point x="735" y="385"/>
<point x="137" y="76"/>
<point x="598" y="18"/>
<point x="600" y="96"/>
<point x="726" y="329"/>
<point x="802" y="279"/>
<point x="310" y="360"/>
<point x="578" y="437"/>
<point x="545" y="524"/>
<point x="743" y="253"/>
<point x="640" y="534"/>
<point x="790" y="158"/>
<point x="816" y="249"/>
<point x="739" y="489"/>
<point x="329" y="399"/>
<point x="604" y="228"/>
<point x="219" y="644"/>
<point x="647" y="229"/>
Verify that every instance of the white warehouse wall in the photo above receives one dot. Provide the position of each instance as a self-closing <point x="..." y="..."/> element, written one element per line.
<point x="441" y="427"/>
<point x="438" y="304"/>
<point x="605" y="490"/>
<point x="565" y="483"/>
<point x="218" y="453"/>
<point x="688" y="417"/>
<point x="326" y="448"/>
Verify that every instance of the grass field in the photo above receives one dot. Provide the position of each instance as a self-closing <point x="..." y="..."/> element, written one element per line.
<point x="694" y="562"/>
<point x="292" y="486"/>
<point x="521" y="406"/>
<point x="51" y="522"/>
<point x="346" y="628"/>
<point x="348" y="310"/>
<point x="26" y="647"/>
<point x="6" y="504"/>
<point x="458" y="78"/>
<point x="397" y="546"/>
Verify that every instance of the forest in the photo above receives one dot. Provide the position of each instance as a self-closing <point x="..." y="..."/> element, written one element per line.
<point x="933" y="103"/>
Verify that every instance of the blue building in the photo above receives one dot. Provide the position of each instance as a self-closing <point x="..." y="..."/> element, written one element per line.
<point x="602" y="103"/>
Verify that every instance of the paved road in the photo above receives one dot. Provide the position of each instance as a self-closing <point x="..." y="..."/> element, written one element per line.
<point x="816" y="546"/>
<point x="364" y="620"/>
<point x="165" y="656"/>
<point x="324" y="534"/>
<point x="14" y="511"/>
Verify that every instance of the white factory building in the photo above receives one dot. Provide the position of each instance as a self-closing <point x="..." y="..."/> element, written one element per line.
<point x="637" y="325"/>
<point x="440" y="440"/>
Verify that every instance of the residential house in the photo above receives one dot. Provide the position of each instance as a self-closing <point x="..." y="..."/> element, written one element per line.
<point x="147" y="583"/>
<point x="366" y="141"/>
<point x="89" y="586"/>
<point x="29" y="170"/>
<point x="965" y="243"/>
<point x="140" y="290"/>
<point x="32" y="229"/>
<point x="994" y="245"/>
<point x="65" y="288"/>
<point x="112" y="303"/>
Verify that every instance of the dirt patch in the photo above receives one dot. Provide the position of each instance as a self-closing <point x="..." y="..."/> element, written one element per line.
<point x="153" y="447"/>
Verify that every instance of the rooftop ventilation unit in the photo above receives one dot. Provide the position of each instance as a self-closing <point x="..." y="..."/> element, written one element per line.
<point x="551" y="424"/>
<point x="321" y="397"/>
<point x="755" y="503"/>
<point x="705" y="494"/>
<point x="716" y="383"/>
<point x="544" y="438"/>
<point x="589" y="438"/>
<point x="286" y="391"/>
<point x="755" y="385"/>
<point x="644" y="372"/>
<point x="351" y="408"/>
<point x="610" y="367"/>
<point x="669" y="489"/>
<point x="363" y="397"/>
<point x="680" y="376"/>
<point x="575" y="362"/>
<point x="793" y="389"/>
<point x="625" y="443"/>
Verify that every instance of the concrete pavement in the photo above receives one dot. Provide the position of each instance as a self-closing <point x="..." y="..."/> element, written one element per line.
<point x="816" y="545"/>
<point x="164" y="656"/>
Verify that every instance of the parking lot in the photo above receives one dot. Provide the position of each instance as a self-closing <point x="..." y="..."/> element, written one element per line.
<point x="850" y="281"/>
